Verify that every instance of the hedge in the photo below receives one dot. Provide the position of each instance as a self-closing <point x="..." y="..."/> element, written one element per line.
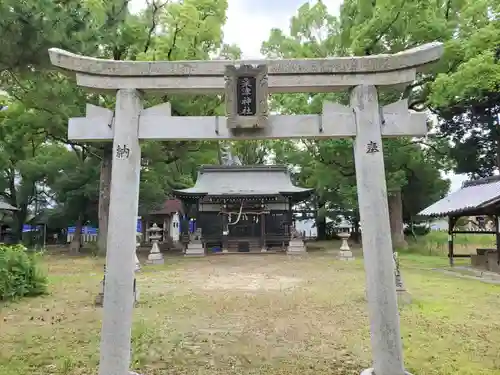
<point x="20" y="273"/>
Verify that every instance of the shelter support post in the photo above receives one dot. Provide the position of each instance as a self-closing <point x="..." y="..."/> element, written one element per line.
<point x="263" y="231"/>
<point x="120" y="258"/>
<point x="452" y="220"/>
<point x="225" y="233"/>
<point x="497" y="237"/>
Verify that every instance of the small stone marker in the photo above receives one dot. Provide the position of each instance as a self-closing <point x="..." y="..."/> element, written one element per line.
<point x="99" y="299"/>
<point x="345" y="251"/>
<point x="155" y="256"/>
<point x="137" y="268"/>
<point x="137" y="244"/>
<point x="404" y="296"/>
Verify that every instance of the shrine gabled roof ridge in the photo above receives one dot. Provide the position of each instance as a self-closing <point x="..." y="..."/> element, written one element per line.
<point x="242" y="168"/>
<point x="250" y="180"/>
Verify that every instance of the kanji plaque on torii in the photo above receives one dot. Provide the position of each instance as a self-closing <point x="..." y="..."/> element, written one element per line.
<point x="246" y="95"/>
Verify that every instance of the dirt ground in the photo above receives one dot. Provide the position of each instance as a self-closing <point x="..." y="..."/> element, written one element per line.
<point x="251" y="314"/>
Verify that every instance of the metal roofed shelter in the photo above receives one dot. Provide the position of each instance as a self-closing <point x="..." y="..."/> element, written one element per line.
<point x="7" y="207"/>
<point x="244" y="208"/>
<point x="475" y="198"/>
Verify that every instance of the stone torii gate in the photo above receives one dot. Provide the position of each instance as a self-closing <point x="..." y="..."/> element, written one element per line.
<point x="363" y="120"/>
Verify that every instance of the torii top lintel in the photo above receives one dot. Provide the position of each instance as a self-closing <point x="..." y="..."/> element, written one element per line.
<point x="287" y="75"/>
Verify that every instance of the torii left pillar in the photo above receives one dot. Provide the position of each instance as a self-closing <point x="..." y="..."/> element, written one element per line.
<point x="120" y="256"/>
<point x="123" y="130"/>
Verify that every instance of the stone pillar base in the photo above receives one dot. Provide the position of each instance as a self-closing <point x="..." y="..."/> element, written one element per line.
<point x="99" y="300"/>
<point x="195" y="250"/>
<point x="225" y="251"/>
<point x="404" y="297"/>
<point x="155" y="258"/>
<point x="263" y="250"/>
<point x="346" y="255"/>
<point x="371" y="371"/>
<point x="296" y="247"/>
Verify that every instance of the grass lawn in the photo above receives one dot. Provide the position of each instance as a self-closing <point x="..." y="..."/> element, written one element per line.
<point x="253" y="314"/>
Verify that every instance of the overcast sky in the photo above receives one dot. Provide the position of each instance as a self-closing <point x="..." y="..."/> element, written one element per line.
<point x="249" y="22"/>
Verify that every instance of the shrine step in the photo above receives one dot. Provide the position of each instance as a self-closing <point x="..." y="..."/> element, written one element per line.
<point x="244" y="245"/>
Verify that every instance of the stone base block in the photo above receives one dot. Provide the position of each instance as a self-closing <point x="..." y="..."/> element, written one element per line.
<point x="195" y="250"/>
<point x="346" y="255"/>
<point x="404" y="297"/>
<point x="99" y="299"/>
<point x="492" y="262"/>
<point x="296" y="247"/>
<point x="155" y="258"/>
<point x="371" y="371"/>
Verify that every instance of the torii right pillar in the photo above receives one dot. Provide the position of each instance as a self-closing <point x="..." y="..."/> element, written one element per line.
<point x="377" y="243"/>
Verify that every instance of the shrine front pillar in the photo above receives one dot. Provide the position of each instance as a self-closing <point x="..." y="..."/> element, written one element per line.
<point x="263" y="232"/>
<point x="225" y="231"/>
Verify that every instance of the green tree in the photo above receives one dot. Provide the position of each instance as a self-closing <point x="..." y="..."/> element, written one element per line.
<point x="191" y="29"/>
<point x="463" y="88"/>
<point x="26" y="162"/>
<point x="315" y="33"/>
<point x="187" y="30"/>
<point x="74" y="190"/>
<point x="467" y="103"/>
<point x="30" y="27"/>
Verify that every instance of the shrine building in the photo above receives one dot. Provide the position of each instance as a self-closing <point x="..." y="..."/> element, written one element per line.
<point x="243" y="208"/>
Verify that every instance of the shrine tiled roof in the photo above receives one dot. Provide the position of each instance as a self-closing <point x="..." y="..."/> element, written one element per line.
<point x="472" y="197"/>
<point x="254" y="180"/>
<point x="169" y="207"/>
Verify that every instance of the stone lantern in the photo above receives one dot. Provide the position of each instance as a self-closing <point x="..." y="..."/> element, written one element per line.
<point x="345" y="251"/>
<point x="155" y="256"/>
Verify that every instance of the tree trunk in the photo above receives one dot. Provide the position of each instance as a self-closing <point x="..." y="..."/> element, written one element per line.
<point x="356" y="235"/>
<point x="104" y="198"/>
<point x="19" y="219"/>
<point x="321" y="227"/>
<point x="76" y="241"/>
<point x="321" y="222"/>
<point x="396" y="219"/>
